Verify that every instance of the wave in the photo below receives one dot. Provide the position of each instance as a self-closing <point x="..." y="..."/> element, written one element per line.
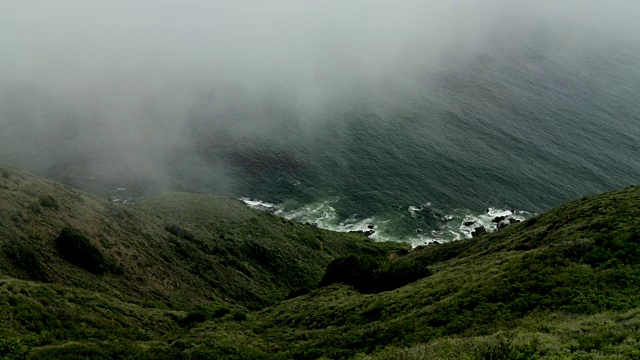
<point x="460" y="224"/>
<point x="321" y="214"/>
<point x="493" y="219"/>
<point x="121" y="195"/>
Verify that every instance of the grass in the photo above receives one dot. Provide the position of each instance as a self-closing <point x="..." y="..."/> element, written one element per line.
<point x="196" y="276"/>
<point x="176" y="249"/>
<point x="557" y="335"/>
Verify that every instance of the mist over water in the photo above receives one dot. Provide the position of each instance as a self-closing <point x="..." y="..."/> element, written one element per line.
<point x="413" y="118"/>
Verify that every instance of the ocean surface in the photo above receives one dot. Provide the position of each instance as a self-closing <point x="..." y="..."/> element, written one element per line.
<point x="417" y="156"/>
<point x="512" y="132"/>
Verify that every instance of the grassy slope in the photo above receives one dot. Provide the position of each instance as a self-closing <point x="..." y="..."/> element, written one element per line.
<point x="170" y="254"/>
<point x="565" y="284"/>
<point x="575" y="264"/>
<point x="188" y="248"/>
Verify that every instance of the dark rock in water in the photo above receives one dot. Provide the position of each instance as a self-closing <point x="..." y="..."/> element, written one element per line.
<point x="468" y="223"/>
<point x="370" y="226"/>
<point x="362" y="232"/>
<point x="436" y="242"/>
<point x="478" y="231"/>
<point x="498" y="219"/>
<point x="505" y="221"/>
<point x="418" y="230"/>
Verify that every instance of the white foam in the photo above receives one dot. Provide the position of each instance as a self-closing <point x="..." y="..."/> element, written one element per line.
<point x="414" y="209"/>
<point x="425" y="240"/>
<point x="123" y="196"/>
<point x="324" y="215"/>
<point x="486" y="220"/>
<point x="122" y="200"/>
<point x="256" y="203"/>
<point x="453" y="225"/>
<point x="260" y="205"/>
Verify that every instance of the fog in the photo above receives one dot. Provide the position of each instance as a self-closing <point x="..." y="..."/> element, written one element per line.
<point x="131" y="89"/>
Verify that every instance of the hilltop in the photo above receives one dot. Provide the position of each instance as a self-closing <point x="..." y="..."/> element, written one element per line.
<point x="198" y="276"/>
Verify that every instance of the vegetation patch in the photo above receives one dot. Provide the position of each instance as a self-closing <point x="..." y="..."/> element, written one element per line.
<point x="372" y="274"/>
<point x="48" y="201"/>
<point x="180" y="232"/>
<point x="564" y="284"/>
<point x="25" y="259"/>
<point x="80" y="251"/>
<point x="205" y="312"/>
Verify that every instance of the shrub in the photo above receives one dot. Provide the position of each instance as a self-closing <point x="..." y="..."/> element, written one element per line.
<point x="240" y="316"/>
<point x="179" y="232"/>
<point x="504" y="348"/>
<point x="80" y="251"/>
<point x="203" y="313"/>
<point x="577" y="248"/>
<point x="48" y="201"/>
<point x="370" y="274"/>
<point x="353" y="270"/>
<point x="13" y="348"/>
<point x="25" y="259"/>
<point x="35" y="207"/>
<point x="298" y="292"/>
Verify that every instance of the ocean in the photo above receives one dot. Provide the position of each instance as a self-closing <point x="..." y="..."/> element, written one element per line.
<point x="511" y="132"/>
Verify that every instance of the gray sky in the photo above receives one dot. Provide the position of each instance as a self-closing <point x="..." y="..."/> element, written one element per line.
<point x="78" y="47"/>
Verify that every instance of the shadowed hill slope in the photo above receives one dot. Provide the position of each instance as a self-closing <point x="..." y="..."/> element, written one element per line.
<point x="199" y="277"/>
<point x="185" y="248"/>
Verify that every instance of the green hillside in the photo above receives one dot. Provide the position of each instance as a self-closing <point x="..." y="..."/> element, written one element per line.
<point x="197" y="277"/>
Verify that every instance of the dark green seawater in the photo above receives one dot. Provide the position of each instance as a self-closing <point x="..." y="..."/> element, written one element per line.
<point x="518" y="130"/>
<point x="514" y="129"/>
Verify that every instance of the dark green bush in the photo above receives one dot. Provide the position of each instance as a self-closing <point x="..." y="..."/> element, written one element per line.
<point x="203" y="313"/>
<point x="48" y="201"/>
<point x="25" y="259"/>
<point x="240" y="316"/>
<point x="215" y="350"/>
<point x="80" y="251"/>
<point x="371" y="274"/>
<point x="121" y="349"/>
<point x="180" y="232"/>
<point x="576" y="249"/>
<point x="298" y="292"/>
<point x="505" y="349"/>
<point x="14" y="348"/>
